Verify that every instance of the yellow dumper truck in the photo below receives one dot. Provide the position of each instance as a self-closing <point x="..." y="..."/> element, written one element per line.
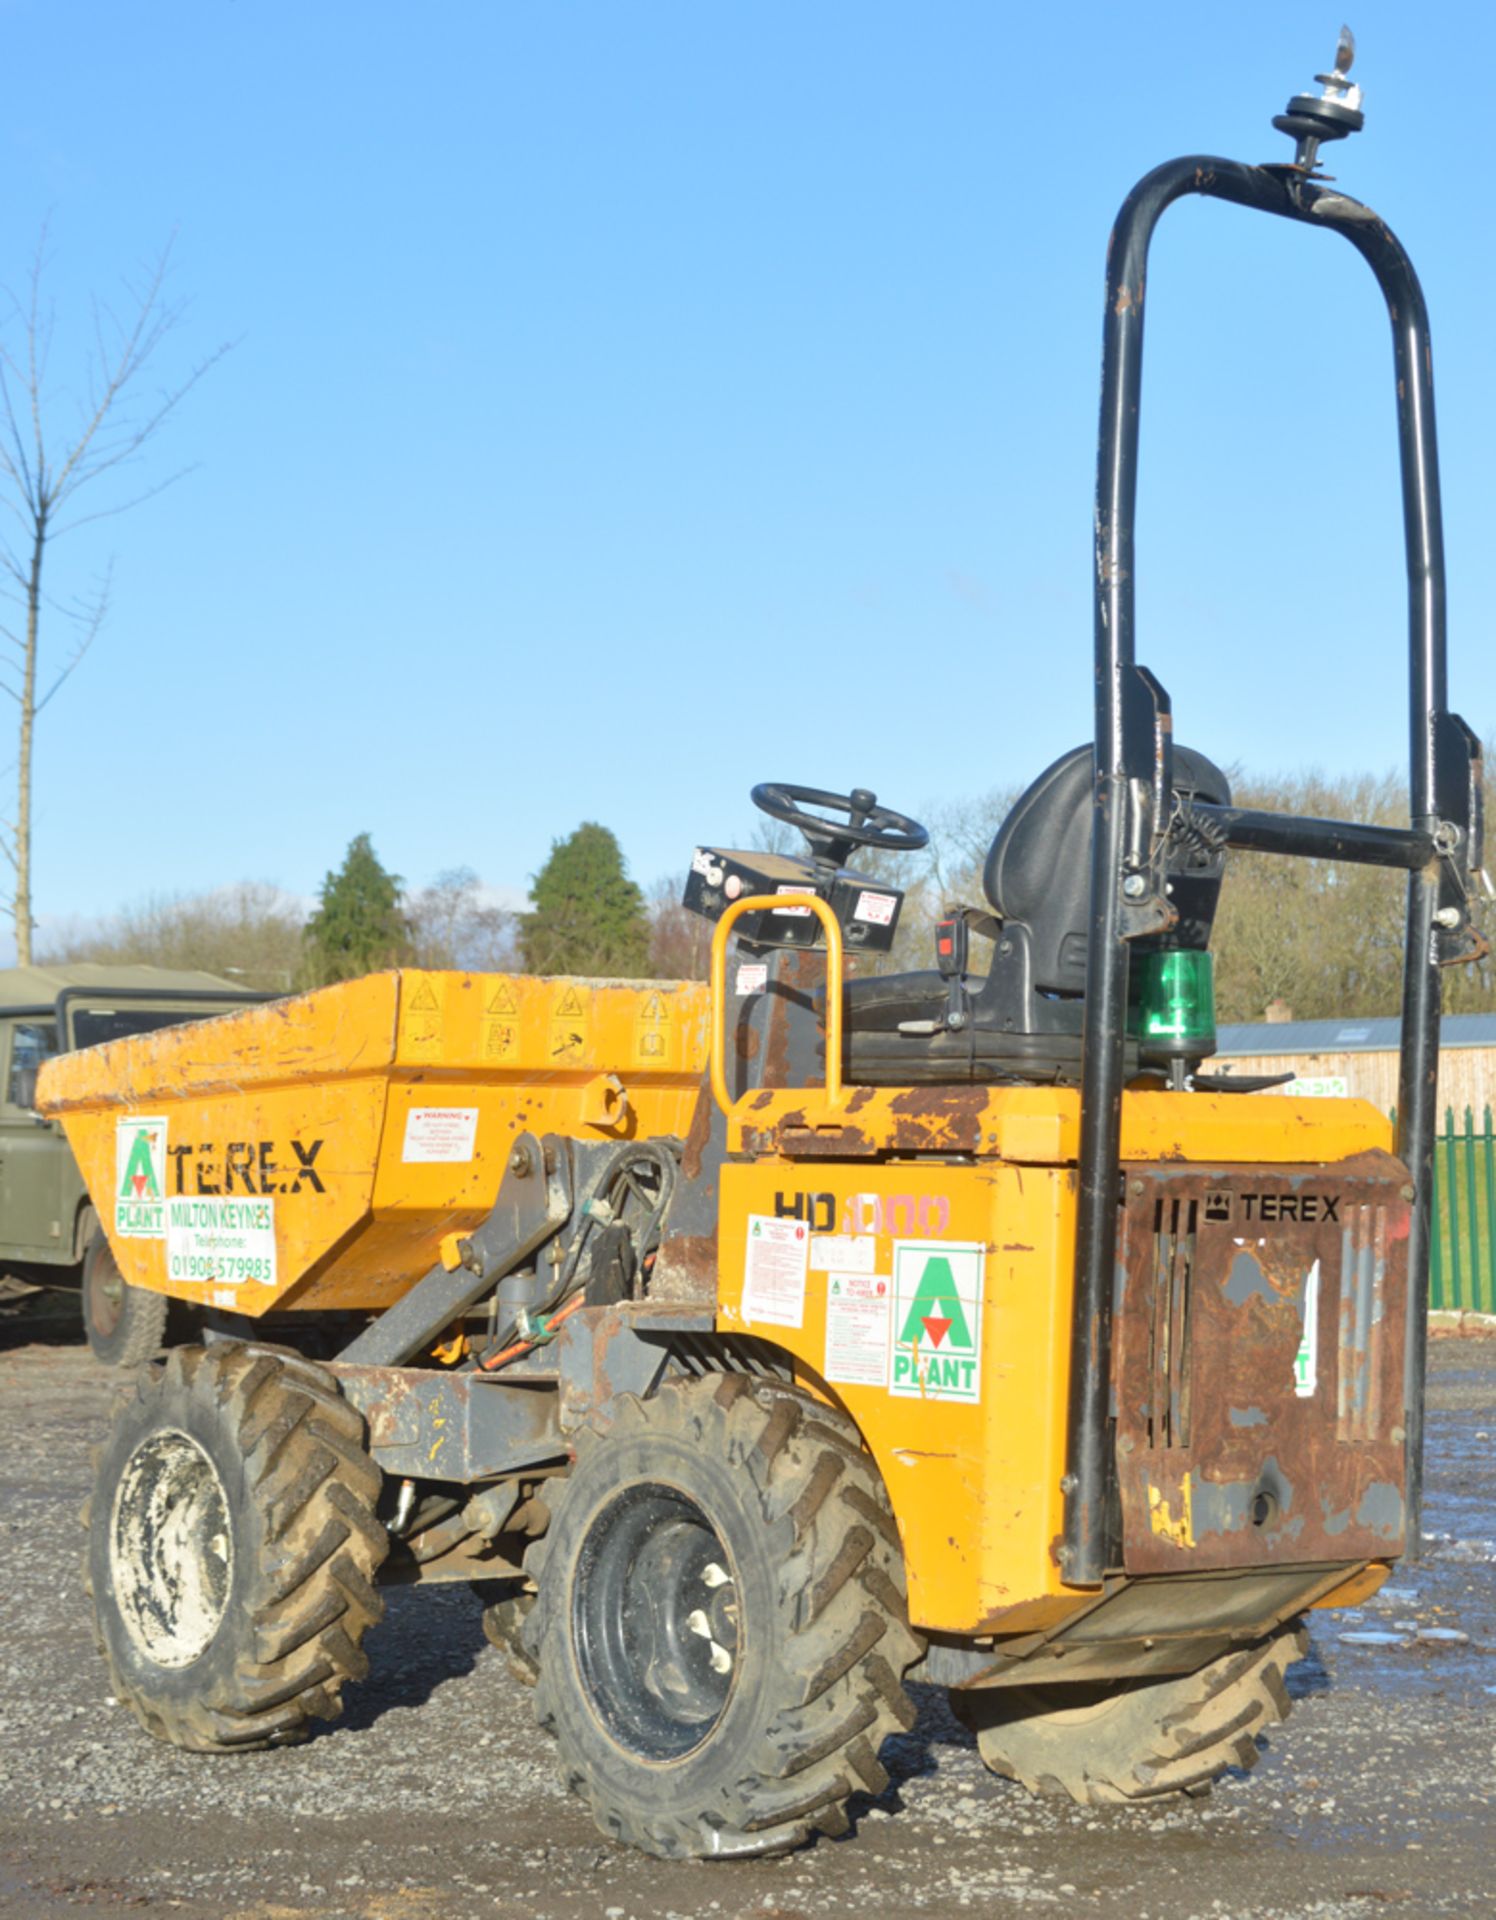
<point x="776" y="1342"/>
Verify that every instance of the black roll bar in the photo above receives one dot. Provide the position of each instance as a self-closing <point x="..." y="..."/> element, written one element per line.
<point x="1440" y="849"/>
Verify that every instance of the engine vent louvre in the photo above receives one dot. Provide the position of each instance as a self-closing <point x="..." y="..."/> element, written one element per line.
<point x="1174" y="1224"/>
<point x="1363" y="1285"/>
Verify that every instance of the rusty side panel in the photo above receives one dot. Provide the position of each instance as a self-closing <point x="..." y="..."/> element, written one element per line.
<point x="1259" y="1364"/>
<point x="454" y="1426"/>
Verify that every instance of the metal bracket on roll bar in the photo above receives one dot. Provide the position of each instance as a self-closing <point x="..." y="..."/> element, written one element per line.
<point x="1147" y="731"/>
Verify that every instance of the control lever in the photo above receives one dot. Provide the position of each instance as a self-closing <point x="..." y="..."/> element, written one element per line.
<point x="952" y="946"/>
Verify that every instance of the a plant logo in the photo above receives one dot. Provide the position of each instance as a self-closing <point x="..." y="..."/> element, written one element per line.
<point x="937" y="1318"/>
<point x="140" y="1179"/>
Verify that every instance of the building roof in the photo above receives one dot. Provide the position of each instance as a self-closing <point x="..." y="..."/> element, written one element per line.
<point x="40" y="986"/>
<point x="1348" y="1036"/>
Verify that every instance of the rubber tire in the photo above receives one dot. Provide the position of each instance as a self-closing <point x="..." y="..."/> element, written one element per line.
<point x="138" y="1332"/>
<point x="504" y="1621"/>
<point x="300" y="1492"/>
<point x="1139" y="1740"/>
<point x="802" y="1513"/>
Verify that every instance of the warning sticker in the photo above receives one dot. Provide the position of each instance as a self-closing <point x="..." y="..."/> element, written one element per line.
<point x="500" y="1039"/>
<point x="858" y="1307"/>
<point x="652" y="1031"/>
<point x="500" y="1028"/>
<point x="421" y="1021"/>
<point x="221" y="1242"/>
<point x="774" y="1271"/>
<point x="440" y="1133"/>
<point x="848" y="1252"/>
<point x="937" y="1320"/>
<point x="753" y="977"/>
<point x="876" y="909"/>
<point x="140" y="1179"/>
<point x="570" y="1012"/>
<point x="793" y="913"/>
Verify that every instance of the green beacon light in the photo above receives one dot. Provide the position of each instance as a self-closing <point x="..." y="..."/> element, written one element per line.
<point x="1174" y="1004"/>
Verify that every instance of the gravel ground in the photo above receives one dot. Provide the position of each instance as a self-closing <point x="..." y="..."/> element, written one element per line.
<point x="435" y="1796"/>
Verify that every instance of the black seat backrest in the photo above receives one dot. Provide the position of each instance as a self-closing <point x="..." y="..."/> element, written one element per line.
<point x="1038" y="871"/>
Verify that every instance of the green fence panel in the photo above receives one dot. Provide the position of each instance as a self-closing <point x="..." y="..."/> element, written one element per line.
<point x="1462" y="1247"/>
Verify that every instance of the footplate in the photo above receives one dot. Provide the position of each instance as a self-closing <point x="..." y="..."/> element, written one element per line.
<point x="1259" y="1330"/>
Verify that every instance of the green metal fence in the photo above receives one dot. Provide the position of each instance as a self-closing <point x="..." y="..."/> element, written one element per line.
<point x="1462" y="1255"/>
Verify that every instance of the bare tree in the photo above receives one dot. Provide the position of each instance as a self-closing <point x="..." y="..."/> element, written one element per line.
<point x="455" y="925"/>
<point x="45" y="466"/>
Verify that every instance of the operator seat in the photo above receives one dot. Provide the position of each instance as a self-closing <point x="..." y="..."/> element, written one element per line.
<point x="1024" y="1019"/>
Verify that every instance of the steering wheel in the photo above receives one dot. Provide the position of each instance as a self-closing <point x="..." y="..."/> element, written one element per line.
<point x="867" y="824"/>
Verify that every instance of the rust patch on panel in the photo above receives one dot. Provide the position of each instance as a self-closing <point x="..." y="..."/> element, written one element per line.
<point x="1258" y="1364"/>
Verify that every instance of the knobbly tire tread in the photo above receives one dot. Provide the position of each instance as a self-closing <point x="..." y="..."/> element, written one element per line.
<point x="825" y="1703"/>
<point x="1152" y="1739"/>
<point x="308" y="1548"/>
<point x="504" y="1626"/>
<point x="140" y="1332"/>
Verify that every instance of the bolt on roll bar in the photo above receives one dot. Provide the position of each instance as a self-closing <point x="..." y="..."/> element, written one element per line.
<point x="1440" y="849"/>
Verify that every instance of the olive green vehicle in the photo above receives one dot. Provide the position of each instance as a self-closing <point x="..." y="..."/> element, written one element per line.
<point x="48" y="1224"/>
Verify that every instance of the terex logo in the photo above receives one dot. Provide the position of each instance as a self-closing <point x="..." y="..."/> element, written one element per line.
<point x="937" y="1316"/>
<point x="1304" y="1209"/>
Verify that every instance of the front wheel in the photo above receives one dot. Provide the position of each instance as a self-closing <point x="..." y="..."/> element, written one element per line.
<point x="232" y="1548"/>
<point x="124" y="1325"/>
<point x="720" y="1630"/>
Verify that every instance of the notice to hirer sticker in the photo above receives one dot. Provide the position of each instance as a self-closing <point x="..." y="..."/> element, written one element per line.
<point x="774" y="1271"/>
<point x="848" y="1252"/>
<point x="440" y="1133"/>
<point x="857" y="1319"/>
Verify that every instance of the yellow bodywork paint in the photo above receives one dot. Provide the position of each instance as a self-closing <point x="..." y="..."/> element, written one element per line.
<point x="1177" y="1528"/>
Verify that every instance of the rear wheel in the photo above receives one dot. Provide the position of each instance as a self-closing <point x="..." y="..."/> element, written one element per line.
<point x="504" y="1617"/>
<point x="124" y="1325"/>
<point x="232" y="1548"/>
<point x="1135" y="1740"/>
<point x="720" y="1629"/>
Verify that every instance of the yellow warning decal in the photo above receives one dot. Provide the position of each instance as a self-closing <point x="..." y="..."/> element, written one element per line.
<point x="652" y="1031"/>
<point x="421" y="1023"/>
<point x="568" y="1033"/>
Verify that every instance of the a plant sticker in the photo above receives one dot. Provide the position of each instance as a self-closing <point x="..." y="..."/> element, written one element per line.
<point x="937" y="1320"/>
<point x="140" y="1179"/>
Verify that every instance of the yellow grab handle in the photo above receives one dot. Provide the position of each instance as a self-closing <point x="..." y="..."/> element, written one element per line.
<point x="832" y="930"/>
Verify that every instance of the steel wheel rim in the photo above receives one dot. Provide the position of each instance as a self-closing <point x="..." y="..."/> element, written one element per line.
<point x="655" y="1628"/>
<point x="171" y="1549"/>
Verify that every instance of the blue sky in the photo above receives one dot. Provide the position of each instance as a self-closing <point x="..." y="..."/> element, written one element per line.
<point x="632" y="402"/>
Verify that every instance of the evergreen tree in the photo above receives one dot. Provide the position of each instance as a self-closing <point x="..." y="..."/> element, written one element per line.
<point x="588" y="915"/>
<point x="359" y="927"/>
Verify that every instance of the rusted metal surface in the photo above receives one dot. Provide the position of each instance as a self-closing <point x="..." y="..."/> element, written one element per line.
<point x="685" y="1268"/>
<point x="1139" y="1627"/>
<point x="602" y="1352"/>
<point x="1259" y="1364"/>
<point x="454" y="1426"/>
